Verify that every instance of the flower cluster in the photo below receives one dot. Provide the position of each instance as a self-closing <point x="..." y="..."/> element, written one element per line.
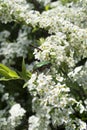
<point x="16" y="113"/>
<point x="18" y="48"/>
<point x="58" y="88"/>
<point x="53" y="103"/>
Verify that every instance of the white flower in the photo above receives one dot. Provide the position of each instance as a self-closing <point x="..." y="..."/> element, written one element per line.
<point x="16" y="114"/>
<point x="77" y="69"/>
<point x="16" y="111"/>
<point x="33" y="78"/>
<point x="82" y="124"/>
<point x="33" y="123"/>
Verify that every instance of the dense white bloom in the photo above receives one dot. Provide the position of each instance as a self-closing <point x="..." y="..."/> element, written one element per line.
<point x="33" y="123"/>
<point x="16" y="114"/>
<point x="81" y="124"/>
<point x="53" y="99"/>
<point x="16" y="111"/>
<point x="38" y="123"/>
<point x="59" y="90"/>
<point x="16" y="48"/>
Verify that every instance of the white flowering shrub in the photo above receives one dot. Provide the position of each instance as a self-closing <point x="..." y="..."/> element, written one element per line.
<point x="47" y="90"/>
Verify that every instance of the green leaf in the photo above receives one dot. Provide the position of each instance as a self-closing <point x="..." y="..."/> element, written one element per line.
<point x="4" y="73"/>
<point x="13" y="74"/>
<point x="3" y="67"/>
<point x="4" y="79"/>
<point x="23" y="68"/>
<point x="25" y="74"/>
<point x="7" y="73"/>
<point x="25" y="85"/>
<point x="29" y="74"/>
<point x="7" y="79"/>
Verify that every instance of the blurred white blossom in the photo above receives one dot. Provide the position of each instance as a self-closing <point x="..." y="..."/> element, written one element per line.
<point x="16" y="113"/>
